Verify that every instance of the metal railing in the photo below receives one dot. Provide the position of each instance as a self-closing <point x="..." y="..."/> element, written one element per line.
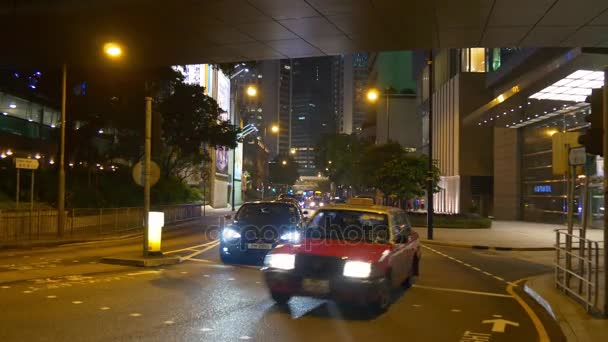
<point x="40" y="224"/>
<point x="577" y="267"/>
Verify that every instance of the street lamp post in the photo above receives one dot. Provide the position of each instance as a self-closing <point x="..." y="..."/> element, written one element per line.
<point x="113" y="51"/>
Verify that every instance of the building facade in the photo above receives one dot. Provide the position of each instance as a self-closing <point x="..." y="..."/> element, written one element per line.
<point x="495" y="112"/>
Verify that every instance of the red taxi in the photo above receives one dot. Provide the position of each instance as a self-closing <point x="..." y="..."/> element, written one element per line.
<point x="349" y="253"/>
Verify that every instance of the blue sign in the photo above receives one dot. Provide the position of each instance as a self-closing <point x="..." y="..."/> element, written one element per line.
<point x="542" y="189"/>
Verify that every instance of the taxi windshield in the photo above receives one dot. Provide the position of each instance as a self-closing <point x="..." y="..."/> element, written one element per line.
<point x="348" y="225"/>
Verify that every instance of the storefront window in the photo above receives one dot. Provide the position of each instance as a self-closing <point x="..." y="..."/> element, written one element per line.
<point x="544" y="194"/>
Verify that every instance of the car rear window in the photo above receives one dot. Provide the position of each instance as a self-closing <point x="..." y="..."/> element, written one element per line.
<point x="280" y="213"/>
<point x="349" y="225"/>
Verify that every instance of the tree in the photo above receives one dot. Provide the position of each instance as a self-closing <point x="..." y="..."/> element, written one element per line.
<point x="191" y="119"/>
<point x="405" y="176"/>
<point x="283" y="170"/>
<point x="374" y="158"/>
<point x="337" y="156"/>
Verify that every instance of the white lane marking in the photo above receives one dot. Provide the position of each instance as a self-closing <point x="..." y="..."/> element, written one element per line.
<point x="75" y="261"/>
<point x="51" y="297"/>
<point x="416" y="305"/>
<point x="206" y="329"/>
<point x="470" y="266"/>
<point x="445" y="289"/>
<point x="135" y="314"/>
<point x="455" y="310"/>
<point x="169" y="322"/>
<point x="143" y="273"/>
<point x="5" y="287"/>
<point x="183" y="272"/>
<point x="206" y="275"/>
<point x="245" y="337"/>
<point x="191" y="247"/>
<point x="231" y="279"/>
<point x="27" y="291"/>
<point x="104" y="308"/>
<point x="76" y="302"/>
<point x="188" y="257"/>
<point x="497" y="316"/>
<point x="202" y="260"/>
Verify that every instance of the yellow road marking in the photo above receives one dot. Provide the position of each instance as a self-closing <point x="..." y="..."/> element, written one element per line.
<point x="202" y="260"/>
<point x="190" y="256"/>
<point x="538" y="325"/>
<point x="491" y="294"/>
<point x="191" y="247"/>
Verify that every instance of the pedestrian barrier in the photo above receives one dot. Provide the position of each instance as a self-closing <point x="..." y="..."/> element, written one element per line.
<point x="577" y="268"/>
<point x="41" y="224"/>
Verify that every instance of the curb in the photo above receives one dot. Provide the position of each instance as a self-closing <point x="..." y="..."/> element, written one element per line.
<point x="485" y="247"/>
<point x="141" y="261"/>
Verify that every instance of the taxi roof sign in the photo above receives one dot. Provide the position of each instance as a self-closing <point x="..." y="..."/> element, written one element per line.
<point x="360" y="201"/>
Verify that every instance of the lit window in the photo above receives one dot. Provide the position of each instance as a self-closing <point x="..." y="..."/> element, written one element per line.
<point x="473" y="60"/>
<point x="301" y="118"/>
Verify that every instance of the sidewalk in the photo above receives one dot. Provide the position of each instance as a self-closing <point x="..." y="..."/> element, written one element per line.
<point x="135" y="233"/>
<point x="507" y="235"/>
<point x="575" y="323"/>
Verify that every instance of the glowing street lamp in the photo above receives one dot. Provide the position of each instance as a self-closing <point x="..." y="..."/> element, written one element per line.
<point x="112" y="50"/>
<point x="284" y="162"/>
<point x="373" y="95"/>
<point x="252" y="91"/>
<point x="274" y="129"/>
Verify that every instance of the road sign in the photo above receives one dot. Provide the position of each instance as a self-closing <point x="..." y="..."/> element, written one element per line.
<point x="577" y="156"/>
<point x="25" y="163"/>
<point x="139" y="173"/>
<point x="499" y="324"/>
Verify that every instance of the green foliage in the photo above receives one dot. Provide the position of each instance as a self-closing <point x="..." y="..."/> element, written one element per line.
<point x="172" y="190"/>
<point x="405" y="176"/>
<point x="374" y="158"/>
<point x="337" y="156"/>
<point x="285" y="174"/>
<point x="191" y="119"/>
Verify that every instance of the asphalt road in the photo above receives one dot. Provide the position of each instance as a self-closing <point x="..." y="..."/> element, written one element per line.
<point x="64" y="294"/>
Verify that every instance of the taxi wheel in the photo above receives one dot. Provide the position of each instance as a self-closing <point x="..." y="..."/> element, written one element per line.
<point x="383" y="300"/>
<point x="280" y="298"/>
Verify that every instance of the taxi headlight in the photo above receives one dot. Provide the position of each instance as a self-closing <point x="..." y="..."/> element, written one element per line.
<point x="312" y="204"/>
<point x="280" y="261"/>
<point x="357" y="269"/>
<point x="293" y="237"/>
<point x="229" y="234"/>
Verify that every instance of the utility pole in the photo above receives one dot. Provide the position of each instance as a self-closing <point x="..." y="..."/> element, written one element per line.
<point x="605" y="143"/>
<point x="61" y="176"/>
<point x="429" y="179"/>
<point x="147" y="153"/>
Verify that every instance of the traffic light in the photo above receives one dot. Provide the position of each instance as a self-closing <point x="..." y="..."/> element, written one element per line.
<point x="593" y="137"/>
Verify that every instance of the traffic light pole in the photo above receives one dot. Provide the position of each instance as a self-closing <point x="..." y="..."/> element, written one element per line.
<point x="605" y="155"/>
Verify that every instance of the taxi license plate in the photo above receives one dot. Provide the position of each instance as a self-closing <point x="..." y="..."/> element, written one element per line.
<point x="259" y="245"/>
<point x="316" y="286"/>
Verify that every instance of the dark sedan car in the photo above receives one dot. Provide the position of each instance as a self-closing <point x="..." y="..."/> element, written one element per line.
<point x="257" y="228"/>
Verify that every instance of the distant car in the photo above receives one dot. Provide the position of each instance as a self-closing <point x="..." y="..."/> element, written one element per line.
<point x="257" y="228"/>
<point x="348" y="253"/>
<point x="314" y="203"/>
